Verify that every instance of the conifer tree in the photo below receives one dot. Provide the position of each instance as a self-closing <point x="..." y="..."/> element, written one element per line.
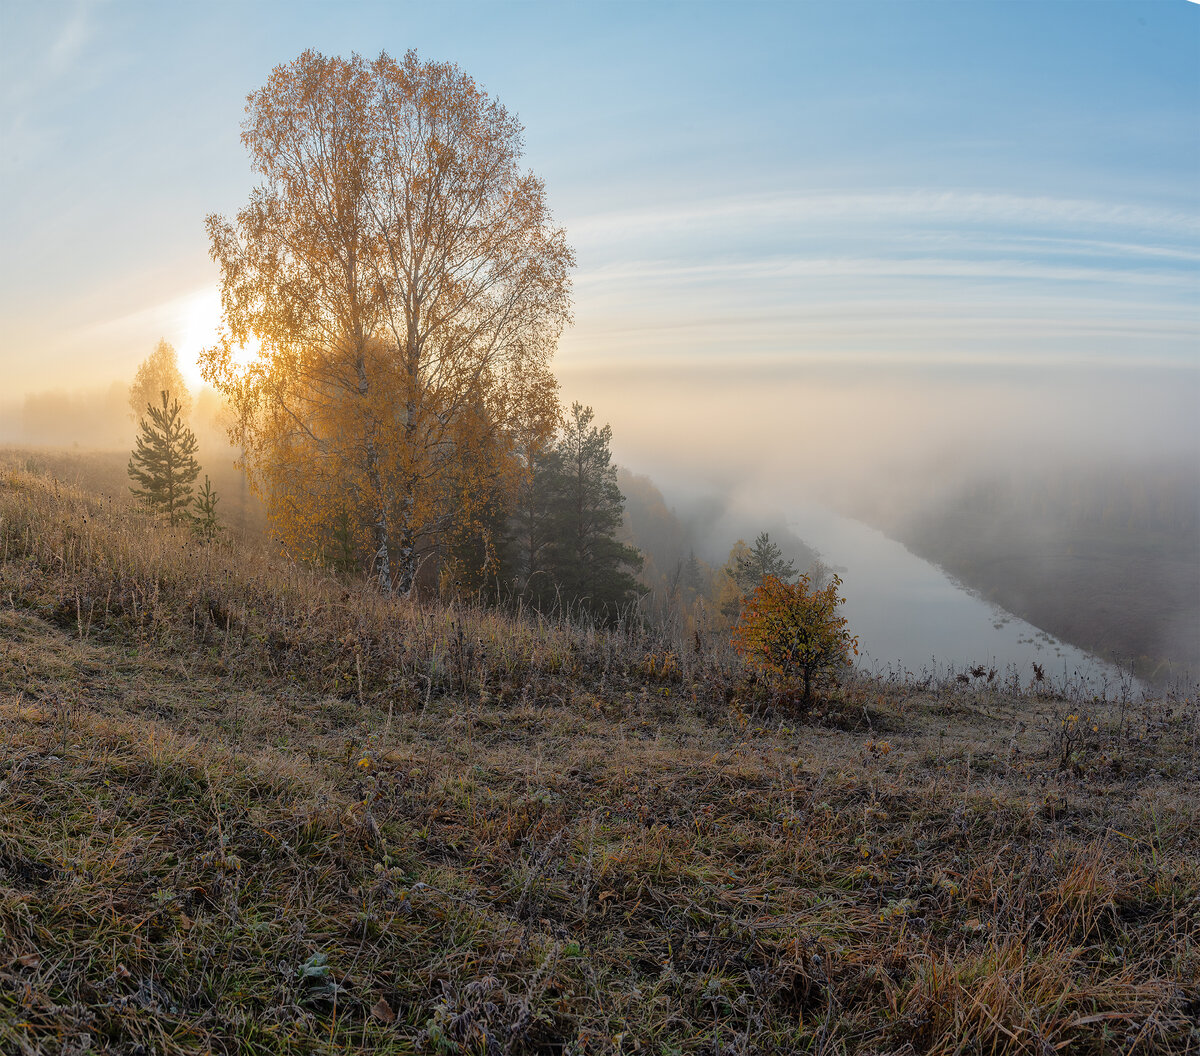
<point x="692" y="575"/>
<point x="163" y="464"/>
<point x="751" y="566"/>
<point x="532" y="525"/>
<point x="592" y="568"/>
<point x="204" y="512"/>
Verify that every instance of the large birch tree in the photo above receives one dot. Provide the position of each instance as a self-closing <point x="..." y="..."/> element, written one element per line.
<point x="405" y="284"/>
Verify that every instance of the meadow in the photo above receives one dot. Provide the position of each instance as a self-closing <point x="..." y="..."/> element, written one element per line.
<point x="247" y="807"/>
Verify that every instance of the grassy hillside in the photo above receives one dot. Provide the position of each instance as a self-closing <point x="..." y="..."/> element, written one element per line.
<point x="248" y="809"/>
<point x="106" y="473"/>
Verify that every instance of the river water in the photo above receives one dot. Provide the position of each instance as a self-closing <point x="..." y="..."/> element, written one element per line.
<point x="911" y="617"/>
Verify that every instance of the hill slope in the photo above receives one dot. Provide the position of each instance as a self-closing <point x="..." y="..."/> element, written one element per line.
<point x="248" y="809"/>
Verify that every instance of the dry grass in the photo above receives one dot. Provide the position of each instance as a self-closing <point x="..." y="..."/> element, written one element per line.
<point x="249" y="809"/>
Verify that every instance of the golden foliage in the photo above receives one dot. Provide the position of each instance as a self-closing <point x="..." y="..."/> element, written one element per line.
<point x="158" y="373"/>
<point x="406" y="285"/>
<point x="791" y="631"/>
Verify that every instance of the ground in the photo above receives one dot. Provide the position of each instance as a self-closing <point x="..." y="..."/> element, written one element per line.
<point x="246" y="808"/>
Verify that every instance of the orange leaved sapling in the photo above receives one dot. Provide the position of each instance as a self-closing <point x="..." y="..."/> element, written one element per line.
<point x="794" y="633"/>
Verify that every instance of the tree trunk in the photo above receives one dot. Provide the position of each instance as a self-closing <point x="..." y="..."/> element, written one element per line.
<point x="406" y="554"/>
<point x="381" y="560"/>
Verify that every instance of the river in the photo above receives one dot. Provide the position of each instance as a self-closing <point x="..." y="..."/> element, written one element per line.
<point x="911" y="617"/>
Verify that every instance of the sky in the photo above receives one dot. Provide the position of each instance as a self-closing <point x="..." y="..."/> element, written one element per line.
<point x="769" y="202"/>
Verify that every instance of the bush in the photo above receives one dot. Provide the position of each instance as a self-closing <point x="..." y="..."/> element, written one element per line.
<point x="794" y="633"/>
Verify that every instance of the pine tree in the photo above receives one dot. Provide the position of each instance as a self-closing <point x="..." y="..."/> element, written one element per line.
<point x="204" y="512"/>
<point x="343" y="547"/>
<point x="531" y="527"/>
<point x="751" y="566"/>
<point x="692" y="575"/>
<point x="591" y="567"/>
<point x="163" y="463"/>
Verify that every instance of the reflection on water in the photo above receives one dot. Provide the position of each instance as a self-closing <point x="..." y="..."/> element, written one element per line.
<point x="910" y="616"/>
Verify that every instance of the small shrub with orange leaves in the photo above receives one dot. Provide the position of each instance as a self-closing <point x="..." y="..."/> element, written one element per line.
<point x="794" y="633"/>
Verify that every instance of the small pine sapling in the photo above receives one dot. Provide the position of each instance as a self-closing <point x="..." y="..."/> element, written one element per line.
<point x="204" y="513"/>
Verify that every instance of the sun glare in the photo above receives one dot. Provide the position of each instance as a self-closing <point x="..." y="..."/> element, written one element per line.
<point x="199" y="323"/>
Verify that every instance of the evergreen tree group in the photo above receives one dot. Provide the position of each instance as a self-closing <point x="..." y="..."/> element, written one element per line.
<point x="562" y="549"/>
<point x="163" y="464"/>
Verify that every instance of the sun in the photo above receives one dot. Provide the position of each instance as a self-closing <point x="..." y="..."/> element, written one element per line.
<point x="199" y="322"/>
<point x="199" y="319"/>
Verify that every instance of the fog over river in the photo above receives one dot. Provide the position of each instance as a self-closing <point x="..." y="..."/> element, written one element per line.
<point x="910" y="616"/>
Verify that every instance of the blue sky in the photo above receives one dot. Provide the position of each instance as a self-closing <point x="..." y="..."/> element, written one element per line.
<point x="931" y="185"/>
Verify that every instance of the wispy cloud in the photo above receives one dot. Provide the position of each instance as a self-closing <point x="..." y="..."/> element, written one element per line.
<point x="68" y="44"/>
<point x="916" y="267"/>
<point x="41" y="48"/>
<point x="1097" y="247"/>
<point x="916" y="275"/>
<point x="945" y="208"/>
<point x="165" y="315"/>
